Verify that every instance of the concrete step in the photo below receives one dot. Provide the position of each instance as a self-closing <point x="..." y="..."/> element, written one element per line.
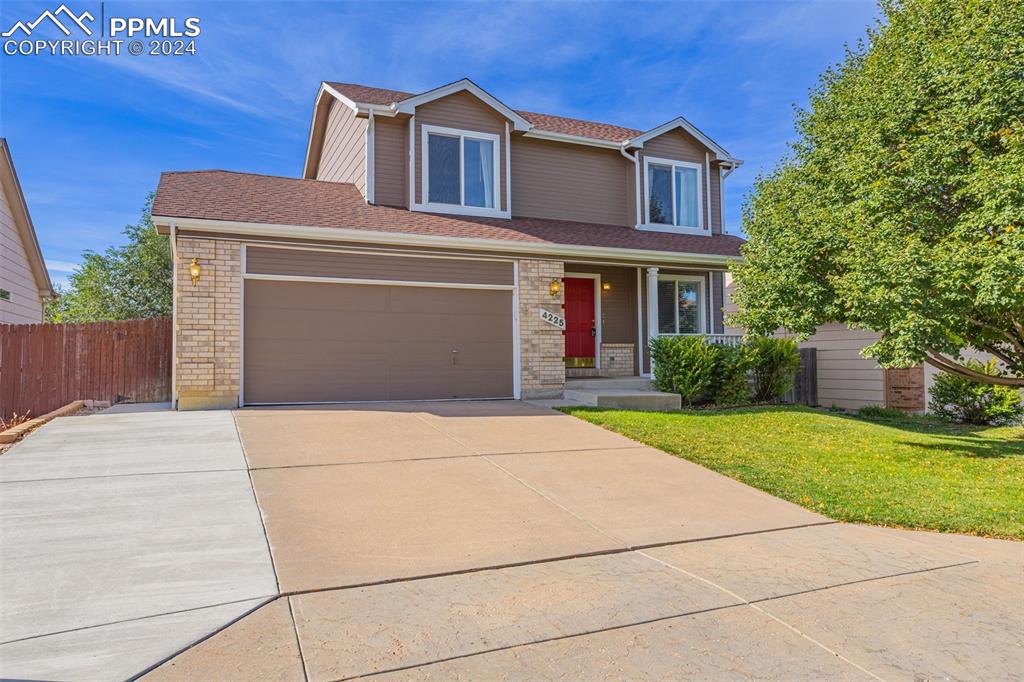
<point x="617" y="383"/>
<point x="625" y="399"/>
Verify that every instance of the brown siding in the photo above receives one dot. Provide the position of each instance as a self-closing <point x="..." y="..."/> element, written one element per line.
<point x="465" y="112"/>
<point x="271" y="261"/>
<point x="570" y="182"/>
<point x="343" y="158"/>
<point x="313" y="342"/>
<point x="391" y="161"/>
<point x="679" y="145"/>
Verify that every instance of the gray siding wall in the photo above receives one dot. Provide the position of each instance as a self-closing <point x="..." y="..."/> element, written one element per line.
<point x="570" y="182"/>
<point x="25" y="306"/>
<point x="343" y="158"/>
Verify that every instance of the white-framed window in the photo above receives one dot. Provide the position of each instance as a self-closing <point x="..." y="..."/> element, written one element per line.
<point x="672" y="195"/>
<point x="461" y="171"/>
<point x="681" y="305"/>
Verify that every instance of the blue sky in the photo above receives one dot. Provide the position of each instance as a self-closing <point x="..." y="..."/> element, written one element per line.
<point x="90" y="135"/>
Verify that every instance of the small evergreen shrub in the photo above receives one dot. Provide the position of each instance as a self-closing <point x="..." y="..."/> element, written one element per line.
<point x="773" y="363"/>
<point x="965" y="401"/>
<point x="731" y="386"/>
<point x="686" y="365"/>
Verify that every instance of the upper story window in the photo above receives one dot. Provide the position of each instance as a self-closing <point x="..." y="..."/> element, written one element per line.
<point x="673" y="194"/>
<point x="461" y="170"/>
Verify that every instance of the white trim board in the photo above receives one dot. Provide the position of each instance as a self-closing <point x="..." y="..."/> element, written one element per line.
<point x="378" y="282"/>
<point x="408" y="106"/>
<point x="400" y="239"/>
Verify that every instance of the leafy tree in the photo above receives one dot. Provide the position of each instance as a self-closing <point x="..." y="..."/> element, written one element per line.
<point x="123" y="282"/>
<point x="901" y="205"/>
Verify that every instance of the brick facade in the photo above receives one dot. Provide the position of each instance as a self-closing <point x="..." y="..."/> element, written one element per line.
<point x="207" y="324"/>
<point x="904" y="388"/>
<point x="542" y="346"/>
<point x="617" y="359"/>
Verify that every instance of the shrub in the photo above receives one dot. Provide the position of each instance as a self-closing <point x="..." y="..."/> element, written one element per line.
<point x="773" y="363"/>
<point x="700" y="371"/>
<point x="731" y="386"/>
<point x="879" y="412"/>
<point x="686" y="365"/>
<point x="959" y="399"/>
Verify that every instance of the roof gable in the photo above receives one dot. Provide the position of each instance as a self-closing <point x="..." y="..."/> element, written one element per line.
<point x="11" y="186"/>
<point x="408" y="106"/>
<point x="680" y="123"/>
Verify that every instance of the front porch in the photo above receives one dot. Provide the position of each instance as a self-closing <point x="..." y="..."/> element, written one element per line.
<point x="612" y="312"/>
<point x="623" y="393"/>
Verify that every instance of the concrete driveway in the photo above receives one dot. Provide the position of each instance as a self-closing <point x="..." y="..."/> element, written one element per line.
<point x="504" y="540"/>
<point x="468" y="541"/>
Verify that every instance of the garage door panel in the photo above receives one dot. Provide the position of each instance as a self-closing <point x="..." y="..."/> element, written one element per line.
<point x="326" y="342"/>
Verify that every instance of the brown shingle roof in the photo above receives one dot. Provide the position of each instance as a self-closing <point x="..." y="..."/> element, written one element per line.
<point x="555" y="124"/>
<point x="243" y="197"/>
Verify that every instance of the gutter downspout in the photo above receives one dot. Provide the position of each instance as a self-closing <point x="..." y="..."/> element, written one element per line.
<point x="174" y="315"/>
<point x="636" y="181"/>
<point x="721" y="191"/>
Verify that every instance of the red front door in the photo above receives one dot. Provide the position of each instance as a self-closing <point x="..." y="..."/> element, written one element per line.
<point x="579" y="317"/>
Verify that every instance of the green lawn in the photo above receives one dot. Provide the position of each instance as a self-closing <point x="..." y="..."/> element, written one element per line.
<point x="911" y="473"/>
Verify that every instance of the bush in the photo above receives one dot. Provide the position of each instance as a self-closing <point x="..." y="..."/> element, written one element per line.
<point x="965" y="401"/>
<point x="699" y="371"/>
<point x="774" y="363"/>
<point x="686" y="365"/>
<point x="731" y="386"/>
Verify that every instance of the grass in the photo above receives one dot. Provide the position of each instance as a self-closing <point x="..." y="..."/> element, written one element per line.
<point x="910" y="473"/>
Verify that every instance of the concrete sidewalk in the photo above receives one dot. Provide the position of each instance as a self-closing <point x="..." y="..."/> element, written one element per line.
<point x="126" y="537"/>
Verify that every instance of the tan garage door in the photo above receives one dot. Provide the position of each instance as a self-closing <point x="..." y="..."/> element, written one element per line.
<point x="307" y="342"/>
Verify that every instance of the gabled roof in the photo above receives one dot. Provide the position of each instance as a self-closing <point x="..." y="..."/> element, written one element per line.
<point x="364" y="98"/>
<point x="11" y="187"/>
<point x="284" y="207"/>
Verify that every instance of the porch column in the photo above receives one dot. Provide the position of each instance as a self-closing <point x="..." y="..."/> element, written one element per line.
<point x="652" y="307"/>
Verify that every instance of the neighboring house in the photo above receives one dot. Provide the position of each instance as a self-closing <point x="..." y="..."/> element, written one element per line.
<point x="849" y="380"/>
<point x="24" y="283"/>
<point x="432" y="248"/>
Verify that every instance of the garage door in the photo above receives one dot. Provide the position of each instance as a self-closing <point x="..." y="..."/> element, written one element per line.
<point x="313" y="341"/>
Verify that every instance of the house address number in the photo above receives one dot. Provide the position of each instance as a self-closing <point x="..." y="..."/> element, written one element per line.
<point x="552" y="319"/>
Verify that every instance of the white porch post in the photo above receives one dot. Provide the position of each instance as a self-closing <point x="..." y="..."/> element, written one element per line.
<point x="652" y="307"/>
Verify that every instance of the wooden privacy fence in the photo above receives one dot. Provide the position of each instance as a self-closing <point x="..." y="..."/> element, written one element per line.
<point x="45" y="366"/>
<point x="805" y="383"/>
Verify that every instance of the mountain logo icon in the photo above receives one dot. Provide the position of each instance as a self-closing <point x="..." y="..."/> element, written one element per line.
<point x="75" y="20"/>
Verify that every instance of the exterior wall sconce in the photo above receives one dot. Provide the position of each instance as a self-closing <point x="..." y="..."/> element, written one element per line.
<point x="195" y="271"/>
<point x="606" y="286"/>
<point x="555" y="288"/>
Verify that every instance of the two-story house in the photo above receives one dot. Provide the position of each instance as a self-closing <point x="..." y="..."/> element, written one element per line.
<point x="443" y="245"/>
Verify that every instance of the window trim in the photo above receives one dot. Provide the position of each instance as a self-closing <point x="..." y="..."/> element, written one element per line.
<point x="701" y="302"/>
<point x="460" y="208"/>
<point x="646" y="196"/>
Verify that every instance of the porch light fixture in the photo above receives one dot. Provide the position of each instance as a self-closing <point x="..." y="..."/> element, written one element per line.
<point x="606" y="286"/>
<point x="555" y="287"/>
<point x="195" y="271"/>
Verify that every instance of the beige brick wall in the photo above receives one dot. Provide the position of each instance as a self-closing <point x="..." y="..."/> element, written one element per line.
<point x="542" y="346"/>
<point x="207" y="333"/>
<point x="617" y="359"/>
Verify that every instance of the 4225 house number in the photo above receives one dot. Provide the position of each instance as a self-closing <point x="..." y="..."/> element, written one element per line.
<point x="552" y="319"/>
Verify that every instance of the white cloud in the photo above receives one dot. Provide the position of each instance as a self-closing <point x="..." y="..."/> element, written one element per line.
<point x="61" y="266"/>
